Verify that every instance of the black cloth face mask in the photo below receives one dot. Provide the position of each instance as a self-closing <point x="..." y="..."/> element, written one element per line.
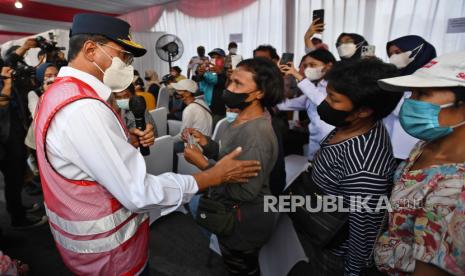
<point x="235" y="100"/>
<point x="333" y="116"/>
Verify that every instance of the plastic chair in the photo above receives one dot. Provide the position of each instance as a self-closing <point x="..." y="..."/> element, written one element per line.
<point x="174" y="127"/>
<point x="295" y="165"/>
<point x="163" y="98"/>
<point x="282" y="251"/>
<point x="185" y="167"/>
<point x="160" y="116"/>
<point x="160" y="159"/>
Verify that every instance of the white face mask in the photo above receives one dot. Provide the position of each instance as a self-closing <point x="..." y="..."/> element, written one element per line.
<point x="347" y="50"/>
<point x="314" y="73"/>
<point x="49" y="81"/>
<point x="403" y="59"/>
<point x="119" y="75"/>
<point x="123" y="104"/>
<point x="233" y="51"/>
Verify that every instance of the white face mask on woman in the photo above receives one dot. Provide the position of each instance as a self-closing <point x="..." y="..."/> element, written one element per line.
<point x="119" y="75"/>
<point x="347" y="50"/>
<point x="314" y="73"/>
<point x="403" y="59"/>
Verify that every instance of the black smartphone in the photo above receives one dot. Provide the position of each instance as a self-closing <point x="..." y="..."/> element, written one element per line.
<point x="320" y="15"/>
<point x="286" y="58"/>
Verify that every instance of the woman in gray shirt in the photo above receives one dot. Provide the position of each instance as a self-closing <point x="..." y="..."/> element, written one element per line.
<point x="255" y="85"/>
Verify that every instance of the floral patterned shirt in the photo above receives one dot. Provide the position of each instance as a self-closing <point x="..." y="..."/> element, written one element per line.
<point x="427" y="222"/>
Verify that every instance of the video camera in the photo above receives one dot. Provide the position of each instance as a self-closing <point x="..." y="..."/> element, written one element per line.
<point x="51" y="50"/>
<point x="24" y="75"/>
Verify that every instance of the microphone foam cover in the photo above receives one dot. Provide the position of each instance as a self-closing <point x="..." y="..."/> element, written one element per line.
<point x="137" y="106"/>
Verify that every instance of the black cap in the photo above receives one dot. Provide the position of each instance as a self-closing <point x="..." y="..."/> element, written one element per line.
<point x="167" y="78"/>
<point x="112" y="28"/>
<point x="217" y="51"/>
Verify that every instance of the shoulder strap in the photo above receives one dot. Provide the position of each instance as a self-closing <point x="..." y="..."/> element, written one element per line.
<point x="201" y="105"/>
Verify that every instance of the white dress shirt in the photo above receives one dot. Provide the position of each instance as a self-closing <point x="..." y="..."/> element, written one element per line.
<point x="85" y="141"/>
<point x="32" y="100"/>
<point x="197" y="117"/>
<point x="402" y="142"/>
<point x="312" y="97"/>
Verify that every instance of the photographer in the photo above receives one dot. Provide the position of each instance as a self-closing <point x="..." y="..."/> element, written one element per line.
<point x="14" y="121"/>
<point x="13" y="154"/>
<point x="16" y="53"/>
<point x="49" y="52"/>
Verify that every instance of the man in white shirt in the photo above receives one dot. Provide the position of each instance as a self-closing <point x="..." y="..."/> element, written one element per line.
<point x="196" y="61"/>
<point x="94" y="181"/>
<point x="197" y="114"/>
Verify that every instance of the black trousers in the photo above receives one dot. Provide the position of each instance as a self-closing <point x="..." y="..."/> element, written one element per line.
<point x="13" y="167"/>
<point x="241" y="263"/>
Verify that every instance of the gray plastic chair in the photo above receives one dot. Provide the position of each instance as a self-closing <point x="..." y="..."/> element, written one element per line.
<point x="160" y="117"/>
<point x="163" y="98"/>
<point x="160" y="159"/>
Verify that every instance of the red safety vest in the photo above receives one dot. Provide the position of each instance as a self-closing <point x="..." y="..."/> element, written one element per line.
<point x="93" y="232"/>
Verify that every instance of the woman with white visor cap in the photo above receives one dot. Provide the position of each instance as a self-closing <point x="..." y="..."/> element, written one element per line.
<point x="425" y="234"/>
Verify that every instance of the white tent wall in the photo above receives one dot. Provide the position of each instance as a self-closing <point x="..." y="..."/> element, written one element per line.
<point x="380" y="21"/>
<point x="282" y="23"/>
<point x="150" y="61"/>
<point x="268" y="22"/>
<point x="262" y="22"/>
<point x="147" y="39"/>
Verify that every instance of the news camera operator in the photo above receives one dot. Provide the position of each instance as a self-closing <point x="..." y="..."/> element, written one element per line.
<point x="51" y="53"/>
<point x="13" y="151"/>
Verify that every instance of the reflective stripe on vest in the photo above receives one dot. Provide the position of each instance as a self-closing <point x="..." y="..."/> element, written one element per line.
<point x="89" y="227"/>
<point x="103" y="244"/>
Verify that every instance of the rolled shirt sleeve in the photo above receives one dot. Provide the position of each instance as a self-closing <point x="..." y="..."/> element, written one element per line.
<point x="92" y="145"/>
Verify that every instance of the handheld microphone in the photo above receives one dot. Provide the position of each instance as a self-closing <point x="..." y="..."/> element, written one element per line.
<point x="137" y="106"/>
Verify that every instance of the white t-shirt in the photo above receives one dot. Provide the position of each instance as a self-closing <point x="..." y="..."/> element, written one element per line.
<point x="196" y="116"/>
<point x="402" y="142"/>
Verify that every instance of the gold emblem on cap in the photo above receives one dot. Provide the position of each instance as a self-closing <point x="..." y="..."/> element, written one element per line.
<point x="131" y="43"/>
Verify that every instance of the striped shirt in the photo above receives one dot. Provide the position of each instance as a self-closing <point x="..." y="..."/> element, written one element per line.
<point x="359" y="166"/>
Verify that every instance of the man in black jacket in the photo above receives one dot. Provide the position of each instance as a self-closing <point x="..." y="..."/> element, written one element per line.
<point x="14" y="120"/>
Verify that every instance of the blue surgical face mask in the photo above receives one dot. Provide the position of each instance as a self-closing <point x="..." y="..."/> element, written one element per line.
<point x="231" y="116"/>
<point x="123" y="104"/>
<point x="421" y="120"/>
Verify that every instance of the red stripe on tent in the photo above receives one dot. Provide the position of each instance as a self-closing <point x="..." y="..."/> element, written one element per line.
<point x="14" y="33"/>
<point x="42" y="11"/>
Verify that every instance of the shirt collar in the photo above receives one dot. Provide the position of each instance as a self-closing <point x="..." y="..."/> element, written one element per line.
<point x="323" y="83"/>
<point x="102" y="90"/>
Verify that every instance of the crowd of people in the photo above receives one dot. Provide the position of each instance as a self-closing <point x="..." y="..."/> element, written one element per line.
<point x="370" y="128"/>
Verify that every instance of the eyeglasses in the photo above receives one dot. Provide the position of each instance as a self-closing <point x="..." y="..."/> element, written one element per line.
<point x="128" y="57"/>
